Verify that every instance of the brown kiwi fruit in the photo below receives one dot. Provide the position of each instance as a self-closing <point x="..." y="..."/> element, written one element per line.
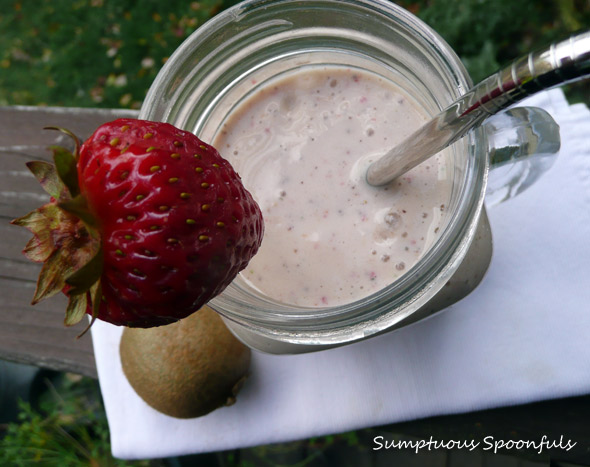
<point x="186" y="369"/>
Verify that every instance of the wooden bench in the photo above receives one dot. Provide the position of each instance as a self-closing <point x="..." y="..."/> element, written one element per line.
<point x="36" y="334"/>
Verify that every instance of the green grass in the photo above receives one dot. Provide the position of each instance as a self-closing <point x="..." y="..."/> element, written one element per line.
<point x="97" y="53"/>
<point x="90" y="53"/>
<point x="66" y="426"/>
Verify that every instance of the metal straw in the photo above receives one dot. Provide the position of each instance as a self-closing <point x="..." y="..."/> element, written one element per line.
<point x="560" y="63"/>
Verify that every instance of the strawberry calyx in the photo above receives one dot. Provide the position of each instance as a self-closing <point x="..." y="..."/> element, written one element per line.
<point x="65" y="238"/>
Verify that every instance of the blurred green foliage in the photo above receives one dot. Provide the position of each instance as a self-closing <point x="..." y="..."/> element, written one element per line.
<point x="66" y="427"/>
<point x="488" y="34"/>
<point x="99" y="53"/>
<point x="90" y="52"/>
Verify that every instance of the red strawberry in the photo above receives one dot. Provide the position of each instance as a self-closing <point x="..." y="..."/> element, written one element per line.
<point x="154" y="225"/>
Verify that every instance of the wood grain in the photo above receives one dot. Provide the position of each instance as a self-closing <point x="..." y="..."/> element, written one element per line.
<point x="36" y="335"/>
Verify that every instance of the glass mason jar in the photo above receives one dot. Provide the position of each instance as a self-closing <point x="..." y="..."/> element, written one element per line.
<point x="259" y="40"/>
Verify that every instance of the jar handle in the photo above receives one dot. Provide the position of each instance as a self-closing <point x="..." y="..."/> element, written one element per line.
<point x="523" y="143"/>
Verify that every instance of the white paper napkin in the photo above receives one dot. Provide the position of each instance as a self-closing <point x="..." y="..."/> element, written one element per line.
<point x="521" y="336"/>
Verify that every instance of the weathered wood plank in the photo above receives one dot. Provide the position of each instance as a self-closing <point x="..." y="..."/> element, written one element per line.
<point x="36" y="335"/>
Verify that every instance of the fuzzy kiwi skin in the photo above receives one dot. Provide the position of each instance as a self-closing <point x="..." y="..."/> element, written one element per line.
<point x="186" y="369"/>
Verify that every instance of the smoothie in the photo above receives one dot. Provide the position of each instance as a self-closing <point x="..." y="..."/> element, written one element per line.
<point x="302" y="144"/>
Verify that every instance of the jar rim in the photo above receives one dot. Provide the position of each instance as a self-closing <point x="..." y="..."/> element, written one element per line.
<point x="345" y="322"/>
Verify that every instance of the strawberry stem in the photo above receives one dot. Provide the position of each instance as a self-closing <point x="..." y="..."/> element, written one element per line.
<point x="71" y="135"/>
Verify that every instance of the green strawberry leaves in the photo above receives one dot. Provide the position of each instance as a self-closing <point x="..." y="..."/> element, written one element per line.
<point x="47" y="176"/>
<point x="78" y="305"/>
<point x="84" y="278"/>
<point x="76" y="309"/>
<point x="95" y="299"/>
<point x="65" y="237"/>
<point x="62" y="242"/>
<point x="79" y="208"/>
<point x="65" y="165"/>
